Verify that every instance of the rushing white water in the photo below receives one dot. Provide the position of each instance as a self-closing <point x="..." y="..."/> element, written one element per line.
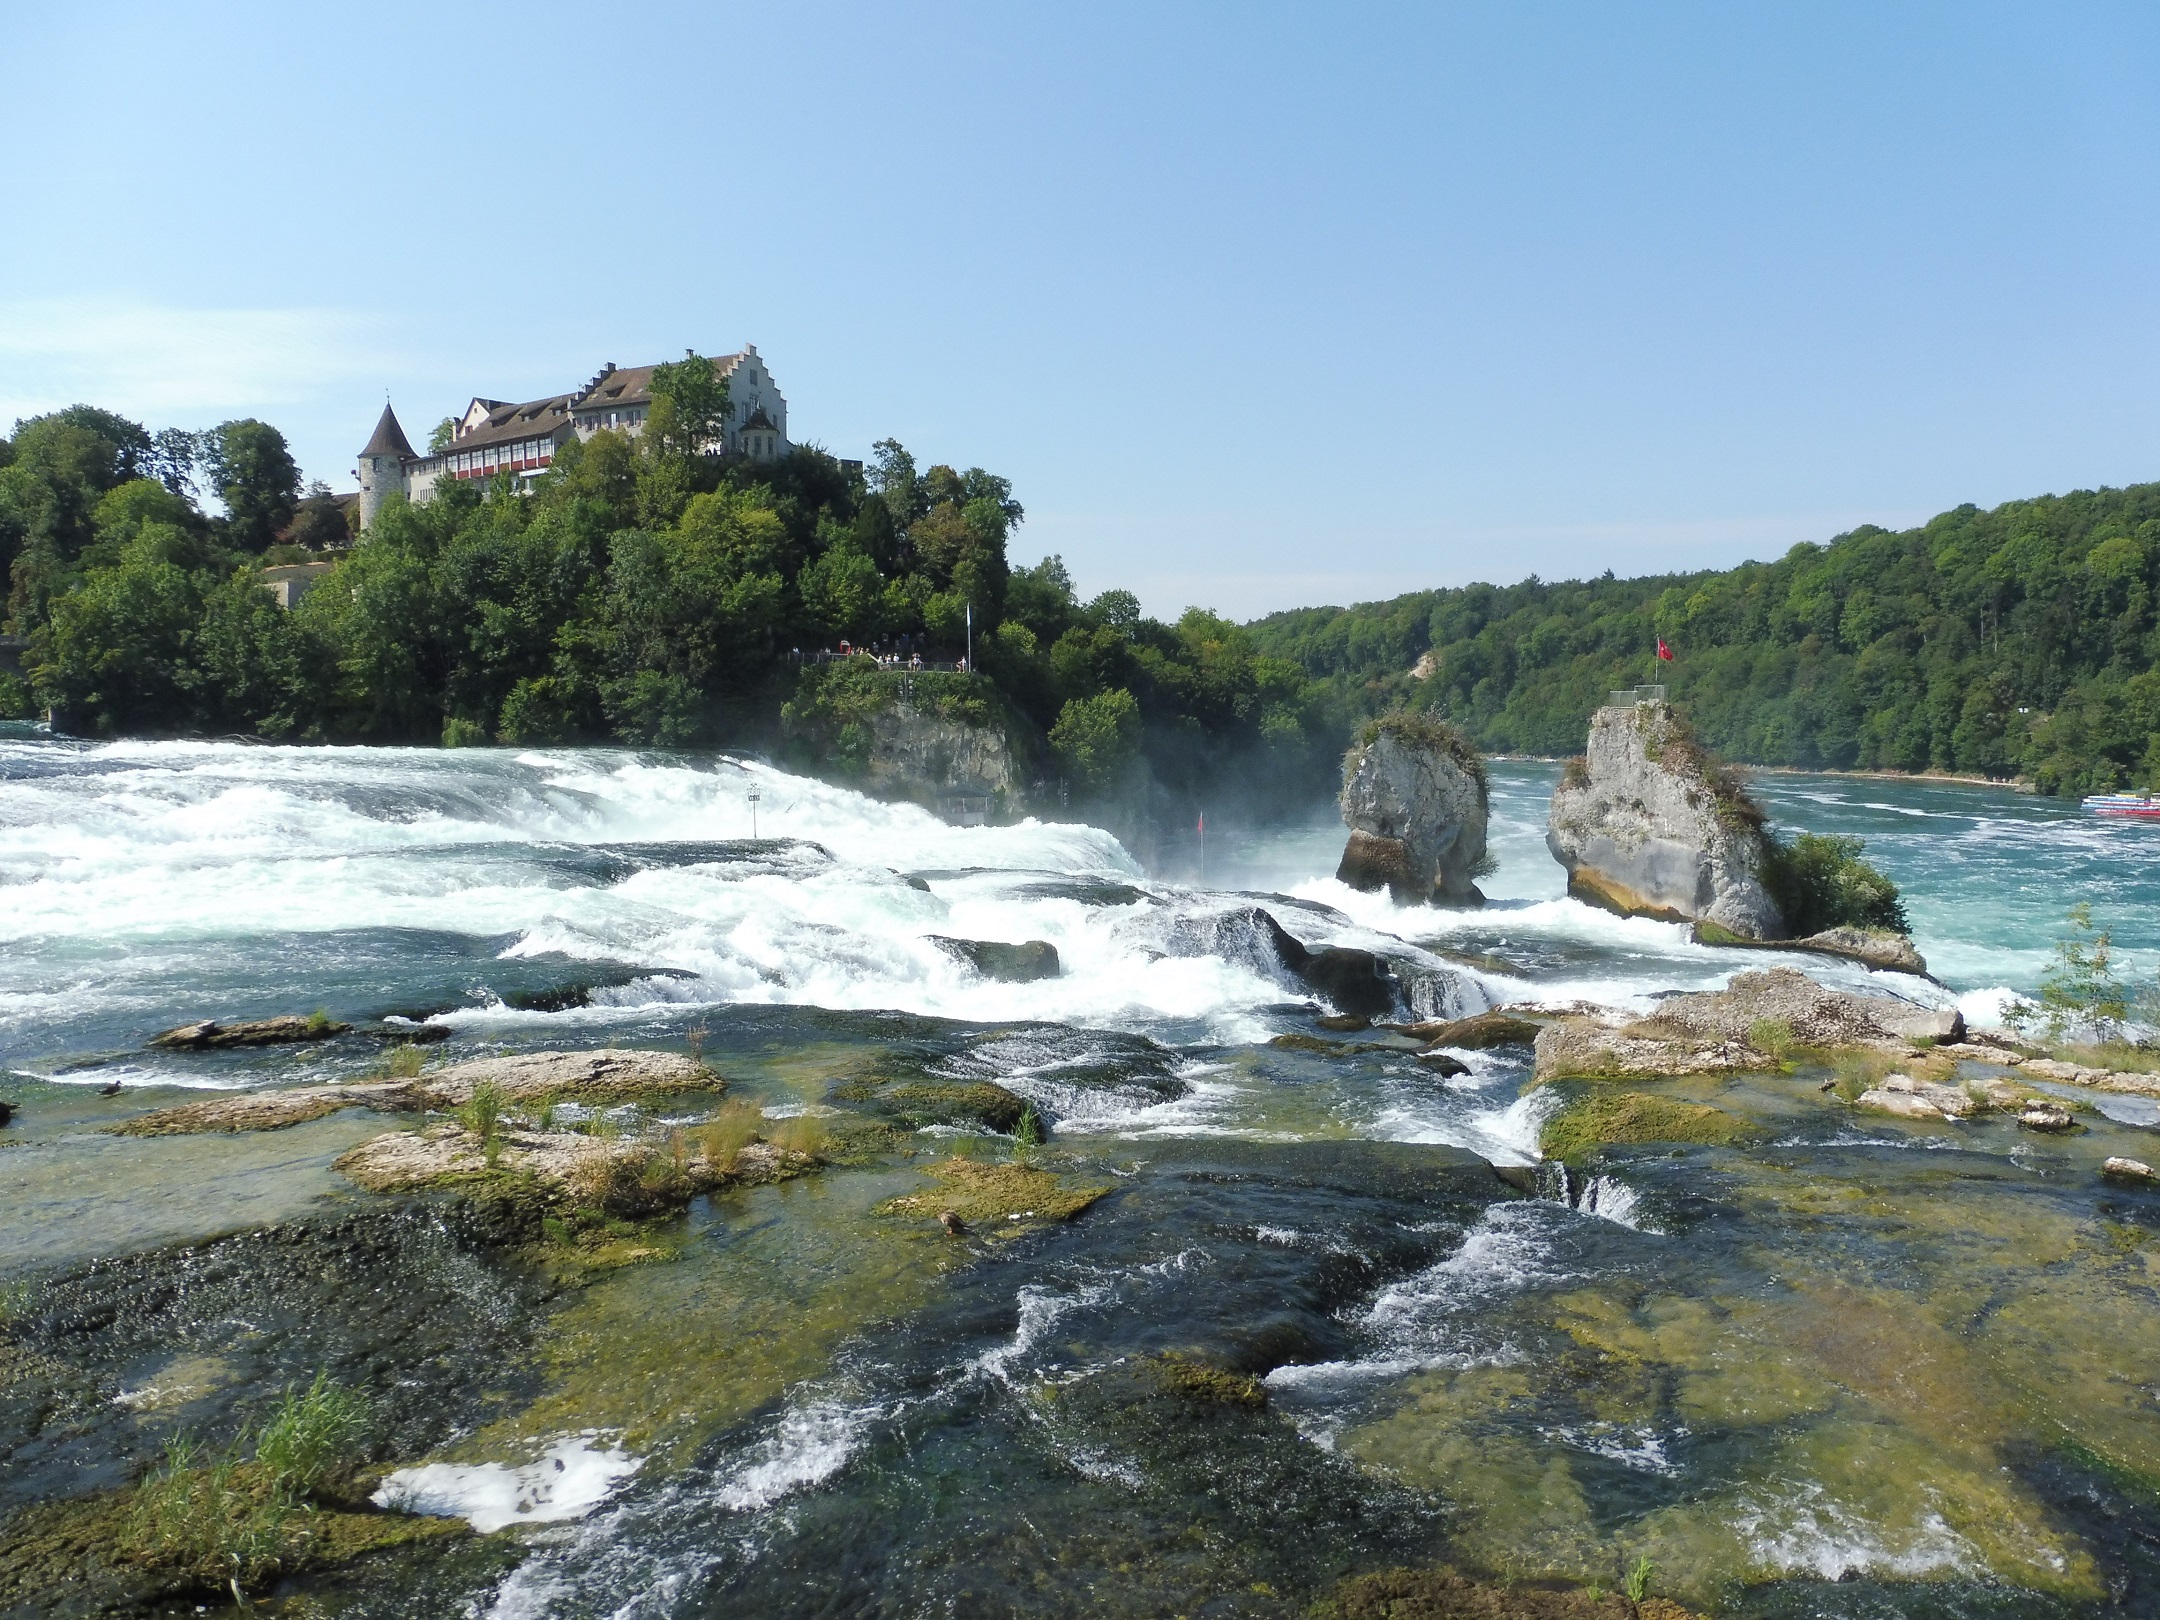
<point x="136" y="871"/>
<point x="567" y="1481"/>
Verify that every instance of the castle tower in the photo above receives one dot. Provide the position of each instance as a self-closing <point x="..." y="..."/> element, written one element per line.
<point x="382" y="467"/>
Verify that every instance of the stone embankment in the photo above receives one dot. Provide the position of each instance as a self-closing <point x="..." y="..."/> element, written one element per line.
<point x="581" y="1077"/>
<point x="1414" y="796"/>
<point x="1649" y="826"/>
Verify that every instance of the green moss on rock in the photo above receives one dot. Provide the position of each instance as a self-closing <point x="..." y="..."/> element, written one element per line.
<point x="930" y="1103"/>
<point x="1596" y="1118"/>
<point x="998" y="1197"/>
<point x="1193" y="1379"/>
<point x="1442" y="1594"/>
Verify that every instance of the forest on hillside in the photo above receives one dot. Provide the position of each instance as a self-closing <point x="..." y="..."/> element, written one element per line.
<point x="653" y="594"/>
<point x="2020" y="641"/>
<point x="647" y="593"/>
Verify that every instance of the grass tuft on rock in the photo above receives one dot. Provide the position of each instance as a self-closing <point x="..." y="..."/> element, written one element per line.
<point x="1424" y="730"/>
<point x="206" y="1519"/>
<point x="1599" y="1118"/>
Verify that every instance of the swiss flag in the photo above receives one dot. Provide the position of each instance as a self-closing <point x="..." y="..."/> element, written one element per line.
<point x="1664" y="651"/>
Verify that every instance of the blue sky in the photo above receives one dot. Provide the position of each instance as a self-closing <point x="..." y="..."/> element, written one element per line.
<point x="1258" y="306"/>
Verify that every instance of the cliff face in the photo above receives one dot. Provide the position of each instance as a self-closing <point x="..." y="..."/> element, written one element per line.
<point x="1646" y="826"/>
<point x="1415" y="800"/>
<point x="920" y="754"/>
<point x="944" y="740"/>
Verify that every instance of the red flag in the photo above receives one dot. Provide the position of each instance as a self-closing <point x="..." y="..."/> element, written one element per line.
<point x="1664" y="651"/>
<point x="1203" y="822"/>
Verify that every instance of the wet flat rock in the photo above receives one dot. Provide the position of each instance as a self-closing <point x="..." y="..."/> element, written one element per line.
<point x="1906" y="1098"/>
<point x="208" y="1035"/>
<point x="406" y="1161"/>
<point x="1713" y="1032"/>
<point x="582" y="1076"/>
<point x="591" y="1077"/>
<point x="269" y="1110"/>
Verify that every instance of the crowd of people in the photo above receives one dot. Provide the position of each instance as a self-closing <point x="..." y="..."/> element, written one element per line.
<point x="906" y="653"/>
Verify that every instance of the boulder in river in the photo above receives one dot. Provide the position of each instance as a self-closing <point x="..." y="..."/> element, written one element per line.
<point x="208" y="1035"/>
<point x="1359" y="983"/>
<point x="2045" y="1114"/>
<point x="1414" y="796"/>
<point x="2135" y="1171"/>
<point x="1902" y="1095"/>
<point x="1475" y="1034"/>
<point x="1023" y="963"/>
<point x="1648" y="824"/>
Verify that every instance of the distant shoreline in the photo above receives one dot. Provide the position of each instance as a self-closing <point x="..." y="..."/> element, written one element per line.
<point x="2016" y="784"/>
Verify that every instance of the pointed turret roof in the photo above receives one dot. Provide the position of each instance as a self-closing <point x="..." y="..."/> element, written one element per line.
<point x="389" y="438"/>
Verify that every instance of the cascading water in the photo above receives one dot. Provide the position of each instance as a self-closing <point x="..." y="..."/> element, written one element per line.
<point x="1724" y="1359"/>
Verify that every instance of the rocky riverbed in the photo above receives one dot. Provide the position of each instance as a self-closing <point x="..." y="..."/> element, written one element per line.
<point x="1649" y="1278"/>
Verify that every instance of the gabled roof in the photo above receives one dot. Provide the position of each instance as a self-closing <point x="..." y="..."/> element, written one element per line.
<point x="621" y="386"/>
<point x="758" y="419"/>
<point x="507" y="424"/>
<point x="389" y="439"/>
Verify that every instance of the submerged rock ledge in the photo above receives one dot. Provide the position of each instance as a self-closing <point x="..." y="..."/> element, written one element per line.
<point x="606" y="1076"/>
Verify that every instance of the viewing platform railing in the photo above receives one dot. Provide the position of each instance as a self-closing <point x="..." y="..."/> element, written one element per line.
<point x="1629" y="697"/>
<point x="907" y="663"/>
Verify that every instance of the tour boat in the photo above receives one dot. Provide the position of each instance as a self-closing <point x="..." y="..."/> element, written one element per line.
<point x="2142" y="805"/>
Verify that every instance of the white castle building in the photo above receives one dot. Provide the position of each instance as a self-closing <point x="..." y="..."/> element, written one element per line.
<point x="495" y="437"/>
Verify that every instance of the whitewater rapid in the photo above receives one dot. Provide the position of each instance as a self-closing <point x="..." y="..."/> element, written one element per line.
<point x="149" y="881"/>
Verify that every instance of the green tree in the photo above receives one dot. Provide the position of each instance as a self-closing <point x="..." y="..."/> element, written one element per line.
<point x="2080" y="992"/>
<point x="690" y="407"/>
<point x="253" y="472"/>
<point x="1096" y="737"/>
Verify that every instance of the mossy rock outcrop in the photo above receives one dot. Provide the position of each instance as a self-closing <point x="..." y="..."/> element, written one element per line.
<point x="621" y="1175"/>
<point x="1600" y="1118"/>
<point x="208" y="1035"/>
<point x="1748" y="1026"/>
<point x="1000" y="1199"/>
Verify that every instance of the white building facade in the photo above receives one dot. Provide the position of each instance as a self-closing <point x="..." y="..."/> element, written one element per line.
<point x="494" y="436"/>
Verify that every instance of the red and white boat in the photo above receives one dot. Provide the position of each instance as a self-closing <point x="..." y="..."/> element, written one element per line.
<point x="2139" y="806"/>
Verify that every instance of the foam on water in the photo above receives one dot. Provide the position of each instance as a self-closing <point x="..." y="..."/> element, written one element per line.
<point x="569" y="1479"/>
<point x="812" y="1442"/>
<point x="1806" y="1531"/>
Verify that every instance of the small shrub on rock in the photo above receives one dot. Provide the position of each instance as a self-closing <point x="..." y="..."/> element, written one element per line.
<point x="1819" y="881"/>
